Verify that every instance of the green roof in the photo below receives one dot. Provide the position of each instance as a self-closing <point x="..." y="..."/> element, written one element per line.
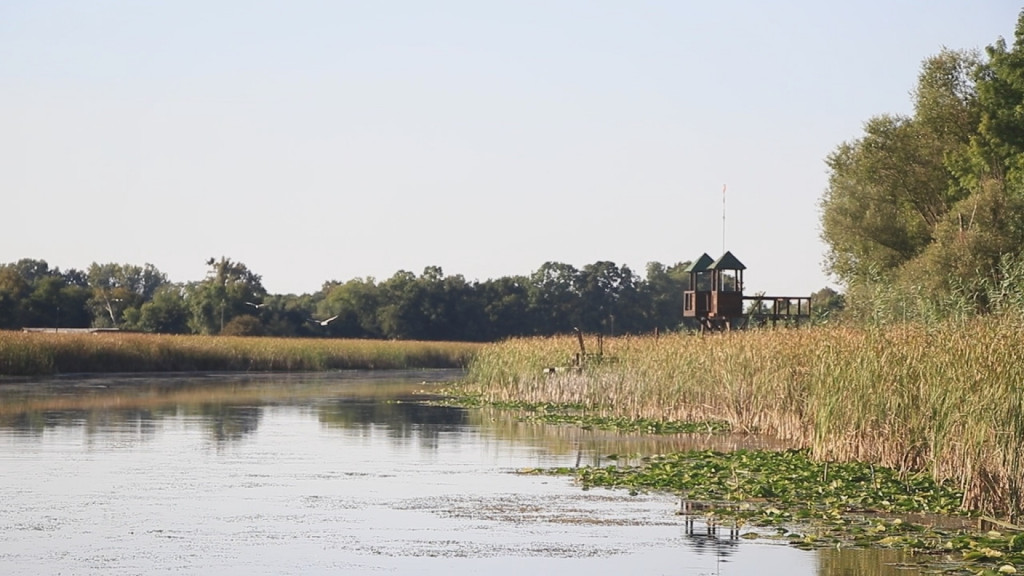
<point x="727" y="262"/>
<point x="701" y="264"/>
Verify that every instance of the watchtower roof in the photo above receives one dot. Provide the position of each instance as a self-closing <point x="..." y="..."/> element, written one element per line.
<point x="700" y="264"/>
<point x="727" y="262"/>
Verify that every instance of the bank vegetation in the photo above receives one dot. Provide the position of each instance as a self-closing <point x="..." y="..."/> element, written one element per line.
<point x="945" y="398"/>
<point x="25" y="353"/>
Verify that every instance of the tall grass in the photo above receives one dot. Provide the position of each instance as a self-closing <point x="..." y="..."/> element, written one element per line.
<point x="946" y="398"/>
<point x="49" y="353"/>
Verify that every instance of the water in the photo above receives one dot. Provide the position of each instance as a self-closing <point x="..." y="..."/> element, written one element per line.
<point x="332" y="474"/>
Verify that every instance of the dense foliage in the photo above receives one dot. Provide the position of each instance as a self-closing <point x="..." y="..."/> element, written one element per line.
<point x="231" y="300"/>
<point x="931" y="205"/>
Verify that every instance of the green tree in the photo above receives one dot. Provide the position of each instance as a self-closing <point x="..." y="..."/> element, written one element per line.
<point x="166" y="312"/>
<point x="505" y="308"/>
<point x="355" y="302"/>
<point x="399" y="315"/>
<point x="222" y="295"/>
<point x="826" y="304"/>
<point x="288" y="315"/>
<point x="554" y="298"/>
<point x="998" y="146"/>
<point x="34" y="295"/>
<point x="663" y="295"/>
<point x="891" y="189"/>
<point x="13" y="292"/>
<point x="608" y="298"/>
<point x="120" y="290"/>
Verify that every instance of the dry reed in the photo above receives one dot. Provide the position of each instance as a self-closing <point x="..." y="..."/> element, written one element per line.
<point x="49" y="353"/>
<point x="944" y="398"/>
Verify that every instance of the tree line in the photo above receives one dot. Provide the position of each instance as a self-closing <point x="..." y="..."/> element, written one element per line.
<point x="926" y="211"/>
<point x="599" y="297"/>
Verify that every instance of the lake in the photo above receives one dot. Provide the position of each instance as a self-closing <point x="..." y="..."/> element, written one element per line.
<point x="336" y="473"/>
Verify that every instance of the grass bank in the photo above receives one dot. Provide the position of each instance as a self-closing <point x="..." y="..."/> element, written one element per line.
<point x="945" y="399"/>
<point x="23" y="354"/>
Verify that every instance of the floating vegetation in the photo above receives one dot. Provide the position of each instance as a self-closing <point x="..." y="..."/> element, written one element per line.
<point x="787" y="478"/>
<point x="814" y="504"/>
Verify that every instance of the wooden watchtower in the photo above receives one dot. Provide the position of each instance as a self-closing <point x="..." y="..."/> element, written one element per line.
<point x="715" y="297"/>
<point x="697" y="299"/>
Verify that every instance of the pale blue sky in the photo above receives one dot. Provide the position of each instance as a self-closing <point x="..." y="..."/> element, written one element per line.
<point x="319" y="141"/>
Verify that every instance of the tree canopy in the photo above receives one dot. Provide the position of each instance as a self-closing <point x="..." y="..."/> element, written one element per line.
<point x="556" y="298"/>
<point x="933" y="203"/>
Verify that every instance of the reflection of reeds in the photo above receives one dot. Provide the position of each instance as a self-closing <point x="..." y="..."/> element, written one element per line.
<point x="948" y="400"/>
<point x="864" y="561"/>
<point x="565" y="439"/>
<point x="123" y="396"/>
<point x="48" y="353"/>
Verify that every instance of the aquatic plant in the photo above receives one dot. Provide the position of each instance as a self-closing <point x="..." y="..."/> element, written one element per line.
<point x="813" y="504"/>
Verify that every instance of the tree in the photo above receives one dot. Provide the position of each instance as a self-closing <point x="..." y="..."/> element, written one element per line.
<point x="166" y="312"/>
<point x="356" y="303"/>
<point x="220" y="297"/>
<point x="554" y="298"/>
<point x="398" y="315"/>
<point x="826" y="304"/>
<point x="119" y="290"/>
<point x="998" y="146"/>
<point x="505" y="308"/>
<point x="288" y="315"/>
<point x="33" y="294"/>
<point x="13" y="291"/>
<point x="889" y="190"/>
<point x="663" y="295"/>
<point x="608" y="297"/>
<point x="243" y="325"/>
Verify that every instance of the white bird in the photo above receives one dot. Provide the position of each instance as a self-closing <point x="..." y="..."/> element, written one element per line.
<point x="323" y="322"/>
<point x="255" y="305"/>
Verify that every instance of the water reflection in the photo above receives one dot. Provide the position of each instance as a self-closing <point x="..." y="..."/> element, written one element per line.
<point x="870" y="562"/>
<point x="336" y="473"/>
<point x="229" y="407"/>
<point x="711" y="538"/>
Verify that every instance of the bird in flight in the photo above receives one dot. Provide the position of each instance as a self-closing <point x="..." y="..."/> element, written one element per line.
<point x="255" y="305"/>
<point x="324" y="322"/>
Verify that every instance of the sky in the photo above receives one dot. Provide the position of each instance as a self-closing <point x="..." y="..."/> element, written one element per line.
<point x="319" y="141"/>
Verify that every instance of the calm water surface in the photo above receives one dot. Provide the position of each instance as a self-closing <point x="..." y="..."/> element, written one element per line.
<point x="332" y="474"/>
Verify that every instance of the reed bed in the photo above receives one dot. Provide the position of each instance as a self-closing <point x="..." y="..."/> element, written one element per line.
<point x="23" y="354"/>
<point x="947" y="399"/>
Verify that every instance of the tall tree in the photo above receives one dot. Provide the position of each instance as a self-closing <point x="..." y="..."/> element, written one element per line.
<point x="355" y="302"/>
<point x="34" y="295"/>
<point x="890" y="189"/>
<point x="399" y="315"/>
<point x="663" y="295"/>
<point x="13" y="291"/>
<point x="506" y="309"/>
<point x="222" y="295"/>
<point x="166" y="312"/>
<point x="554" y="298"/>
<point x="999" y="144"/>
<point x="608" y="298"/>
<point x="119" y="290"/>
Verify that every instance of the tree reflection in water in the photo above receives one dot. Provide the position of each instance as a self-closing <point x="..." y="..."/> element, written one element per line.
<point x="229" y="406"/>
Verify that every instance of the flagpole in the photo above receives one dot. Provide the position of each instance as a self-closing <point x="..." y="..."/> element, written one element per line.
<point x="723" y="218"/>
